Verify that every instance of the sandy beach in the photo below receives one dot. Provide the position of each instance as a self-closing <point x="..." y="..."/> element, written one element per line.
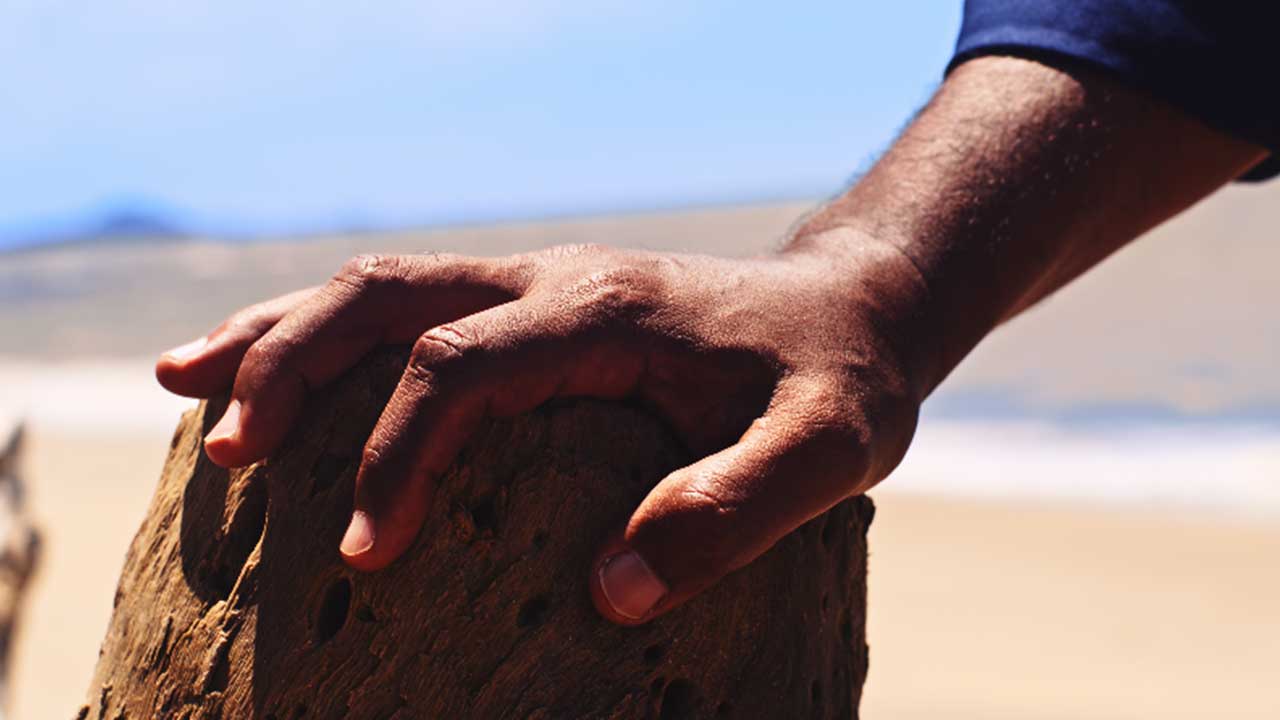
<point x="1088" y="525"/>
<point x="1003" y="610"/>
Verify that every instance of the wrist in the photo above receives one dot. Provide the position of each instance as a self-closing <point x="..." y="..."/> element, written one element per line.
<point x="874" y="281"/>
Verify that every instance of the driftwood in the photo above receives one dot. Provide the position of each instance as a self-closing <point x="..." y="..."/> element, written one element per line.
<point x="19" y="545"/>
<point x="234" y="603"/>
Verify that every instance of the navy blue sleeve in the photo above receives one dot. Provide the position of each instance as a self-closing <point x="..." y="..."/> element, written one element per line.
<point x="1217" y="60"/>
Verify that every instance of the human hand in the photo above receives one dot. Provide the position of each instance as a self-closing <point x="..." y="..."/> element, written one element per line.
<point x="783" y="373"/>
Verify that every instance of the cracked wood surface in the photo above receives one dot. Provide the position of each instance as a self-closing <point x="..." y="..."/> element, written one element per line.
<point x="234" y="603"/>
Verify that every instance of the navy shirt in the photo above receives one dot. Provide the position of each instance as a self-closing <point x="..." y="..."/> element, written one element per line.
<point x="1217" y="60"/>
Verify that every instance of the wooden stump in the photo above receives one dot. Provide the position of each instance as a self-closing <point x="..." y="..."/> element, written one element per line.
<point x="234" y="603"/>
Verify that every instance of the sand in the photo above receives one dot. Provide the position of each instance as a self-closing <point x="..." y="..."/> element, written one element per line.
<point x="997" y="610"/>
<point x="88" y="493"/>
<point x="978" y="609"/>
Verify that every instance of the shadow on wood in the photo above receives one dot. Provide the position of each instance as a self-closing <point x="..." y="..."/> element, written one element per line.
<point x="234" y="603"/>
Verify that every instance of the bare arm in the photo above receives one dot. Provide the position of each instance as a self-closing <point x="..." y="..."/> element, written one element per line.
<point x="1015" y="179"/>
<point x="795" y="378"/>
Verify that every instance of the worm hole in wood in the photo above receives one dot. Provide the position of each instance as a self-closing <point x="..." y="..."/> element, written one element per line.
<point x="533" y="612"/>
<point x="334" y="607"/>
<point x="679" y="700"/>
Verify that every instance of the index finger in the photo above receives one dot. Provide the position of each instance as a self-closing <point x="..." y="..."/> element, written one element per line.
<point x="206" y="366"/>
<point x="374" y="299"/>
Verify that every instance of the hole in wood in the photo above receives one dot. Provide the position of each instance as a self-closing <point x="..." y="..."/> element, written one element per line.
<point x="484" y="515"/>
<point x="653" y="654"/>
<point x="679" y="700"/>
<point x="332" y="614"/>
<point x="724" y="710"/>
<point x="540" y="539"/>
<point x="533" y="612"/>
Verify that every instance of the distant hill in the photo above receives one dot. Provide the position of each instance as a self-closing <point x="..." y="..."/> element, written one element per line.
<point x="132" y="220"/>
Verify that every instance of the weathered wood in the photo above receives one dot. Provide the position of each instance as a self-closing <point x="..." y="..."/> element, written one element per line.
<point x="234" y="603"/>
<point x="19" y="545"/>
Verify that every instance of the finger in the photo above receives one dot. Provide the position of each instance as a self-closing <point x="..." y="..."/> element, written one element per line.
<point x="500" y="362"/>
<point x="710" y="518"/>
<point x="207" y="365"/>
<point x="373" y="300"/>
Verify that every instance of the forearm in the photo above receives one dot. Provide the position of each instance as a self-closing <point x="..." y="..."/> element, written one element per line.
<point x="1013" y="181"/>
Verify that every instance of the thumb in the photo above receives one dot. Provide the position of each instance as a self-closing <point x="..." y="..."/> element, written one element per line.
<point x="703" y="521"/>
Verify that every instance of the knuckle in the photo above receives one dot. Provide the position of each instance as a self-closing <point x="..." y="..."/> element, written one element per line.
<point x="251" y="319"/>
<point x="372" y="454"/>
<point x="452" y="338"/>
<point x="702" y="501"/>
<point x="846" y="443"/>
<point x="836" y="424"/>
<point x="719" y="526"/>
<point x="368" y="271"/>
<point x="260" y="357"/>
<point x="863" y="430"/>
<point x="438" y="348"/>
<point x="623" y="292"/>
<point x="375" y="479"/>
<point x="263" y="364"/>
<point x="551" y="267"/>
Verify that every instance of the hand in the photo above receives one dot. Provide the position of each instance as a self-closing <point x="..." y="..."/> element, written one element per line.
<point x="783" y="371"/>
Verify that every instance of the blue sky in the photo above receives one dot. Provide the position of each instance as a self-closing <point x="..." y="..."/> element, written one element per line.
<point x="287" y="117"/>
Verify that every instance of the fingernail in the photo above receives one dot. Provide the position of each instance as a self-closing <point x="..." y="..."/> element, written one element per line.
<point x="359" y="536"/>
<point x="629" y="586"/>
<point x="186" y="352"/>
<point x="228" y="425"/>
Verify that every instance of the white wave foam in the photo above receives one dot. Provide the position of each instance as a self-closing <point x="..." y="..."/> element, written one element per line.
<point x="1231" y="468"/>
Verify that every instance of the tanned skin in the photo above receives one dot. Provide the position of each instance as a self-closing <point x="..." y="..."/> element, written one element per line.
<point x="797" y="377"/>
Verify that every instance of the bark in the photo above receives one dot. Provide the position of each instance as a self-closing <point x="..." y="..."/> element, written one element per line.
<point x="234" y="603"/>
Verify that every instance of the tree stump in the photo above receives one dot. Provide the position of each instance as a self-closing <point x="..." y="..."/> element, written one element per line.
<point x="234" y="602"/>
